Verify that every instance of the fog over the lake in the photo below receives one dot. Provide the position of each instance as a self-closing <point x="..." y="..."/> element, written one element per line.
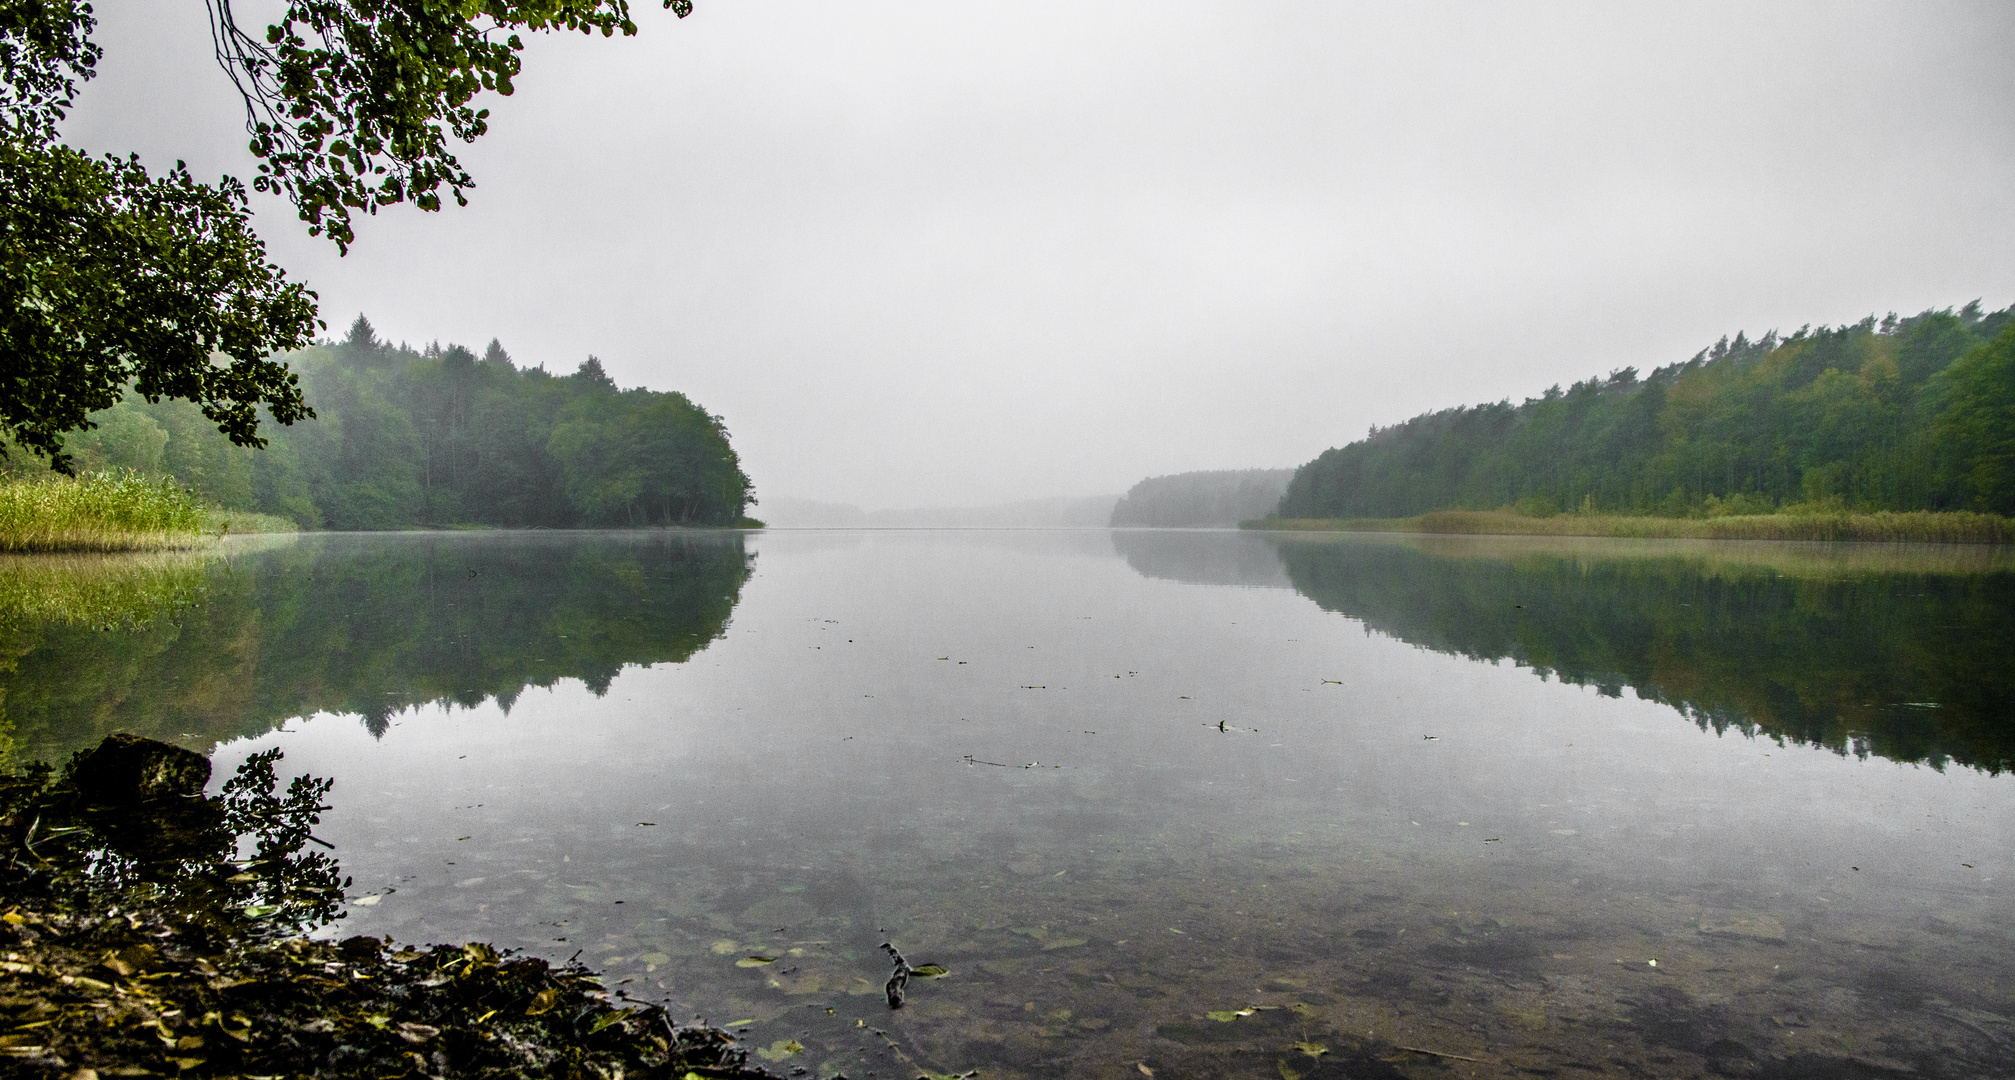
<point x="951" y="253"/>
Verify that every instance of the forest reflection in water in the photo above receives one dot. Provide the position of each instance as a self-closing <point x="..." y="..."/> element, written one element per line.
<point x="196" y="648"/>
<point x="1209" y="829"/>
<point x="1895" y="650"/>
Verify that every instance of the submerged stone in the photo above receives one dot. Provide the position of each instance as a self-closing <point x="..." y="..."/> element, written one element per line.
<point x="127" y="771"/>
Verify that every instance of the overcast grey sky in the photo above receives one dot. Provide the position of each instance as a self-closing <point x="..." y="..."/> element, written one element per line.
<point x="959" y="253"/>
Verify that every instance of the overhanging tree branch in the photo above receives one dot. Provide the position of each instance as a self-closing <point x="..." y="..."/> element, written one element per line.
<point x="350" y="103"/>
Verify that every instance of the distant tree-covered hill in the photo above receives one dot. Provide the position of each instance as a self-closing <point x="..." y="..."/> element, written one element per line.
<point x="1904" y="414"/>
<point x="442" y="437"/>
<point x="1201" y="499"/>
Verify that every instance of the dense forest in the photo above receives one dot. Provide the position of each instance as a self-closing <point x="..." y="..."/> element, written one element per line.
<point x="1905" y="414"/>
<point x="218" y="649"/>
<point x="1200" y="499"/>
<point x="440" y="436"/>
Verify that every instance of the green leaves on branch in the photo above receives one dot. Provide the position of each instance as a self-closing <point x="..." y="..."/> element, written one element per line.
<point x="350" y="102"/>
<point x="45" y="48"/>
<point x="110" y="276"/>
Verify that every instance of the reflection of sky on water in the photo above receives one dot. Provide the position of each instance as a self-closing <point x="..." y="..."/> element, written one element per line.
<point x="1412" y="848"/>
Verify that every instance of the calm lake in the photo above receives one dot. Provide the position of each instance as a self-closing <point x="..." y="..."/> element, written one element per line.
<point x="1178" y="804"/>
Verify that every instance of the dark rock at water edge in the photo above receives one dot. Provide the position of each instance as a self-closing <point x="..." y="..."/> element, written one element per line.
<point x="138" y="943"/>
<point x="127" y="770"/>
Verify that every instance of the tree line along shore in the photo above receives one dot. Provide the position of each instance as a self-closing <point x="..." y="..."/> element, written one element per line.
<point x="1902" y="429"/>
<point x="1897" y="430"/>
<point x="1885" y="526"/>
<point x="402" y="438"/>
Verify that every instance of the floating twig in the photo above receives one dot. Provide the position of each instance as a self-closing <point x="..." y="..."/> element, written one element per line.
<point x="971" y="760"/>
<point x="1441" y="1054"/>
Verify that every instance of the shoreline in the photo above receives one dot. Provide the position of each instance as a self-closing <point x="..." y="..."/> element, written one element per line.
<point x="1917" y="526"/>
<point x="219" y="524"/>
<point x="200" y="964"/>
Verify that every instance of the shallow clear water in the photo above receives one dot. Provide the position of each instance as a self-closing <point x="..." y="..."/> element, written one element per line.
<point x="1195" y="803"/>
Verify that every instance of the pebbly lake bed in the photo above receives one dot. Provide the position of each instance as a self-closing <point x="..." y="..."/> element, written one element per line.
<point x="1161" y="803"/>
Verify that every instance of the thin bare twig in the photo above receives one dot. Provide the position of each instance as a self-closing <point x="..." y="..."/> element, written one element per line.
<point x="1441" y="1054"/>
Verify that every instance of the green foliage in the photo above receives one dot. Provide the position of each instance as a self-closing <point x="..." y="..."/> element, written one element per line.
<point x="96" y="512"/>
<point x="643" y="457"/>
<point x="45" y="48"/>
<point x="1865" y="417"/>
<point x="111" y="277"/>
<point x="350" y="102"/>
<point x="1974" y="439"/>
<point x="113" y="280"/>
<point x="440" y="437"/>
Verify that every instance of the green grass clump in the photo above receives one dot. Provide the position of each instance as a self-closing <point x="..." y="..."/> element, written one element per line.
<point x="1916" y="527"/>
<point x="97" y="512"/>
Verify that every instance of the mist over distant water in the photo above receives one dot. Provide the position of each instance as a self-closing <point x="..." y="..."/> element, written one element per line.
<point x="1054" y="513"/>
<point x="920" y="254"/>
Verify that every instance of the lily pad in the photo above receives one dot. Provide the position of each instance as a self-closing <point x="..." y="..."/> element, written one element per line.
<point x="755" y="961"/>
<point x="1314" y="1050"/>
<point x="781" y="1049"/>
<point x="929" y="971"/>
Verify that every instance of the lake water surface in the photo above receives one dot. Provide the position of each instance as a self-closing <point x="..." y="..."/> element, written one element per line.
<point x="1180" y="804"/>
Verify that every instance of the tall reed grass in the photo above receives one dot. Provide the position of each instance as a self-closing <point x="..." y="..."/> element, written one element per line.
<point x="1917" y="526"/>
<point x="97" y="512"/>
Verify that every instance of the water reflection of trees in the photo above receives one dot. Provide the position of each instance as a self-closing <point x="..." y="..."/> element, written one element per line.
<point x="154" y="930"/>
<point x="1862" y="649"/>
<point x="369" y="626"/>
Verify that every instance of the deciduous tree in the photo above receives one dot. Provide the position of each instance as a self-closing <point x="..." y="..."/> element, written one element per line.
<point x="114" y="278"/>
